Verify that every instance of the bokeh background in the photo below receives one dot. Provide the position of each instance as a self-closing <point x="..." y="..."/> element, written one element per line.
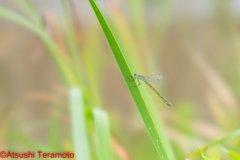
<point x="194" y="44"/>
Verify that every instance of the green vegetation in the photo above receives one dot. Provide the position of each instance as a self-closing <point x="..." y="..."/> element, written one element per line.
<point x="88" y="121"/>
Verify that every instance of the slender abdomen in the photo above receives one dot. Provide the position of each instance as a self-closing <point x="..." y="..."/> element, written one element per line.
<point x="169" y="104"/>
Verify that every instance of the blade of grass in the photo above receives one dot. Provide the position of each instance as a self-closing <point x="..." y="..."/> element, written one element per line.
<point x="234" y="155"/>
<point x="70" y="35"/>
<point x="137" y="97"/>
<point x="220" y="141"/>
<point x="10" y="15"/>
<point x="30" y="143"/>
<point x="54" y="138"/>
<point x="63" y="64"/>
<point x="79" y="130"/>
<point x="30" y="11"/>
<point x="90" y="57"/>
<point x="137" y="10"/>
<point x="101" y="124"/>
<point x="203" y="156"/>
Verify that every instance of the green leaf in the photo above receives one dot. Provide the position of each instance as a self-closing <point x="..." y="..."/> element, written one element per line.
<point x="79" y="130"/>
<point x="222" y="140"/>
<point x="5" y="13"/>
<point x="204" y="157"/>
<point x="217" y="142"/>
<point x="54" y="138"/>
<point x="28" y="142"/>
<point x="234" y="155"/>
<point x="62" y="62"/>
<point x="71" y="36"/>
<point x="30" y="11"/>
<point x="101" y="124"/>
<point x="137" y="97"/>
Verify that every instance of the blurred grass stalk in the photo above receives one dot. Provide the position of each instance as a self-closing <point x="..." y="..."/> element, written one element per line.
<point x="102" y="127"/>
<point x="232" y="154"/>
<point x="229" y="136"/>
<point x="99" y="117"/>
<point x="71" y="76"/>
<point x="79" y="121"/>
<point x="90" y="57"/>
<point x="30" y="11"/>
<point x="71" y="38"/>
<point x="58" y="57"/>
<point x="64" y="67"/>
<point x="80" y="138"/>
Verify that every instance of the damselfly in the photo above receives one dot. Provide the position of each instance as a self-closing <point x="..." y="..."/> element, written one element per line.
<point x="155" y="79"/>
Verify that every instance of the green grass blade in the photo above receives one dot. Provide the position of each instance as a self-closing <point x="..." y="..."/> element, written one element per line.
<point x="5" y="13"/>
<point x="133" y="90"/>
<point x="234" y="155"/>
<point x="22" y="139"/>
<point x="217" y="142"/>
<point x="222" y="140"/>
<point x="30" y="11"/>
<point x="203" y="156"/>
<point x="101" y="124"/>
<point x="30" y="143"/>
<point x="54" y="137"/>
<point x="70" y="35"/>
<point x="59" y="59"/>
<point x="79" y="129"/>
<point x="137" y="7"/>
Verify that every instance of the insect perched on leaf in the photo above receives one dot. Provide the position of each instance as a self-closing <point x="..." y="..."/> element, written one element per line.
<point x="155" y="79"/>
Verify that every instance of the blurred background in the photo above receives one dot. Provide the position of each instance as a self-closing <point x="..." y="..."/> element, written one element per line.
<point x="194" y="44"/>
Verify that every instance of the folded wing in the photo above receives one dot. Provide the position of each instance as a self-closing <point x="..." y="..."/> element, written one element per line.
<point x="155" y="79"/>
